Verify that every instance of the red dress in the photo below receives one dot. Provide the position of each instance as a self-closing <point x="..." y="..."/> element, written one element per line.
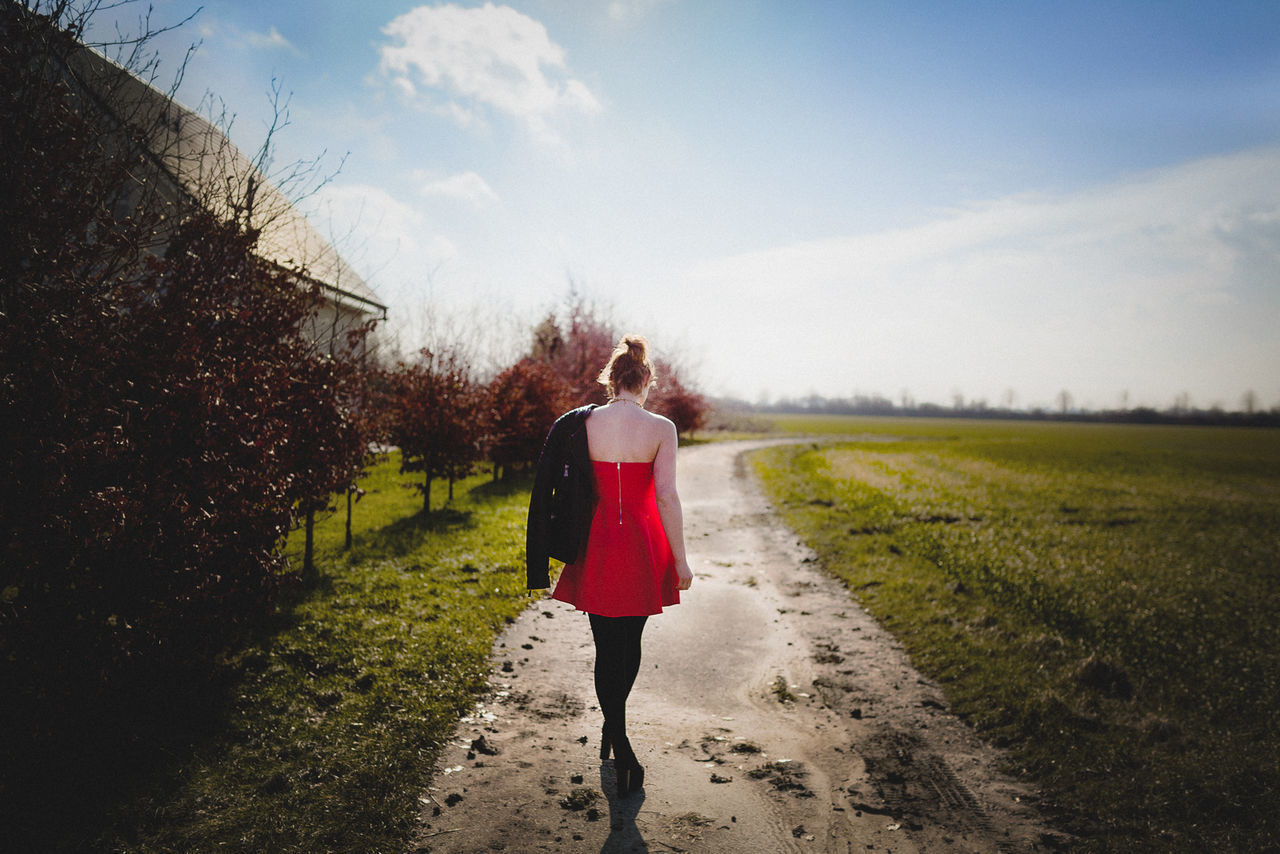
<point x="628" y="569"/>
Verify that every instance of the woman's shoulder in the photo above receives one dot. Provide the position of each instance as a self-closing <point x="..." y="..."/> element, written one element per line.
<point x="660" y="426"/>
<point x="661" y="420"/>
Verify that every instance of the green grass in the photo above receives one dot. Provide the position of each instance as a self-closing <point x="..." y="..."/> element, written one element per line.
<point x="1102" y="599"/>
<point x="320" y="734"/>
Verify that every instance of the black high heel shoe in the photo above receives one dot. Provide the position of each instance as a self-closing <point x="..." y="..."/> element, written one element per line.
<point x="630" y="776"/>
<point x="604" y="742"/>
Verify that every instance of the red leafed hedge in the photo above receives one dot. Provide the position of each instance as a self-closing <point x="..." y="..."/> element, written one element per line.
<point x="164" y="416"/>
<point x="577" y="343"/>
<point x="159" y="435"/>
<point x="522" y="403"/>
<point x="685" y="407"/>
<point x="434" y="418"/>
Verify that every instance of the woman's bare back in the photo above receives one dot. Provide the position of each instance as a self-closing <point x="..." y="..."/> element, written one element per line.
<point x="622" y="431"/>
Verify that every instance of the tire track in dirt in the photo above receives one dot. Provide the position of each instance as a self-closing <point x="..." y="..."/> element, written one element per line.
<point x="771" y="714"/>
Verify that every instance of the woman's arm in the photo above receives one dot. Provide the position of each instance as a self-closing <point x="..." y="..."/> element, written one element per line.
<point x="669" y="510"/>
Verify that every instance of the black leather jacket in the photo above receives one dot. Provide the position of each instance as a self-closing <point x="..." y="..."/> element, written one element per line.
<point x="563" y="499"/>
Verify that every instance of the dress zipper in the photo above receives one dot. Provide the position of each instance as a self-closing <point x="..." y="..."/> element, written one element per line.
<point x="619" y="493"/>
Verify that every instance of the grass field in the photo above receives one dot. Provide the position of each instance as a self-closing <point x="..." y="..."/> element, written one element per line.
<point x="1102" y="599"/>
<point x="321" y="733"/>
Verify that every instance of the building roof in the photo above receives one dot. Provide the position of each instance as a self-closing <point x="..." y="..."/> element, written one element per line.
<point x="207" y="169"/>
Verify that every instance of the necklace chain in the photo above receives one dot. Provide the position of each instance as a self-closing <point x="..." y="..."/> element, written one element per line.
<point x="628" y="400"/>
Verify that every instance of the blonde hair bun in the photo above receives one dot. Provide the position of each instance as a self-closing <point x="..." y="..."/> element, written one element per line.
<point x="629" y="367"/>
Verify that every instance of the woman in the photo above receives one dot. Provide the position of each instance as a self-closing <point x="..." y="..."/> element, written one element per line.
<point x="633" y="561"/>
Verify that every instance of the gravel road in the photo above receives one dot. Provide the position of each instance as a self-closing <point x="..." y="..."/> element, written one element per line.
<point x="771" y="714"/>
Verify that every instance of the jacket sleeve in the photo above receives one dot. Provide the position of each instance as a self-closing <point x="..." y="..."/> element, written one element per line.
<point x="537" y="538"/>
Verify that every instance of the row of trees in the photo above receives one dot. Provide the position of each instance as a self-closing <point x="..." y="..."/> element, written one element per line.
<point x="1181" y="412"/>
<point x="446" y="419"/>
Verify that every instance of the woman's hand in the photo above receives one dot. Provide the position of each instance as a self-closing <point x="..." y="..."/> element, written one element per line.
<point x="685" y="573"/>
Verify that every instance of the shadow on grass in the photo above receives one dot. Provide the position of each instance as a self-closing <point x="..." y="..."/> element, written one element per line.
<point x="81" y="761"/>
<point x="77" y="757"/>
<point x="505" y="487"/>
<point x="405" y="535"/>
<point x="80" y="764"/>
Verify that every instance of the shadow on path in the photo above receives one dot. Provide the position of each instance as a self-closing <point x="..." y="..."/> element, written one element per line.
<point x="624" y="835"/>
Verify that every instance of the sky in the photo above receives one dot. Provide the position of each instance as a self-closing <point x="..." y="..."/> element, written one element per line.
<point x="933" y="201"/>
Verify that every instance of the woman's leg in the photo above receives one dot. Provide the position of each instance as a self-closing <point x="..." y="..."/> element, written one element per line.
<point x="617" y="641"/>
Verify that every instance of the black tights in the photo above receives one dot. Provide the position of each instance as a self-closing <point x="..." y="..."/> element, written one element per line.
<point x="617" y="663"/>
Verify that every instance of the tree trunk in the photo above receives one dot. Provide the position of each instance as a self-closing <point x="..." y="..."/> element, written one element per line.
<point x="309" y="550"/>
<point x="426" y="496"/>
<point x="346" y="546"/>
<point x="451" y="488"/>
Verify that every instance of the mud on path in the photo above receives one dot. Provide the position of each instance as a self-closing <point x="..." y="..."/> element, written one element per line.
<point x="771" y="714"/>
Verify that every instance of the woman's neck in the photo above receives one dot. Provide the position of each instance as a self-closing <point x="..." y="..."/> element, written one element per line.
<point x="627" y="397"/>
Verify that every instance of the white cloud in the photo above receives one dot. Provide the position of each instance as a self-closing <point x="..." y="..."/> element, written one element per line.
<point x="466" y="186"/>
<point x="490" y="58"/>
<point x="390" y="243"/>
<point x="1151" y="284"/>
<point x="271" y="40"/>
<point x="360" y="213"/>
<point x="440" y="249"/>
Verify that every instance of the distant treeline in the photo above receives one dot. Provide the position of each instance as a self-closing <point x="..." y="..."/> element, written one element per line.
<point x="877" y="405"/>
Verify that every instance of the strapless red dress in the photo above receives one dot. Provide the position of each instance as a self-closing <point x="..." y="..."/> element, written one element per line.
<point x="628" y="569"/>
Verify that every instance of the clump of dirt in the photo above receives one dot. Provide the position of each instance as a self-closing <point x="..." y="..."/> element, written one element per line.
<point x="580" y="799"/>
<point x="690" y="825"/>
<point x="917" y="785"/>
<point x="784" y="776"/>
<point x="781" y="692"/>
<point x="828" y="653"/>
<point x="691" y="819"/>
<point x="550" y="706"/>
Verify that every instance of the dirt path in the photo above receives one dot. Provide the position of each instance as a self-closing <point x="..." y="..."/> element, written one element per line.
<point x="771" y="715"/>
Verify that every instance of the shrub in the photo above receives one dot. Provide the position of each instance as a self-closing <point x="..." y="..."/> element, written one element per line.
<point x="163" y="412"/>
<point x="161" y="434"/>
<point x="522" y="403"/>
<point x="685" y="407"/>
<point x="436" y="418"/>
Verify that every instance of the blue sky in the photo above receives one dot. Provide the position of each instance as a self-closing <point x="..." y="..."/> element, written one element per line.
<point x="995" y="201"/>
